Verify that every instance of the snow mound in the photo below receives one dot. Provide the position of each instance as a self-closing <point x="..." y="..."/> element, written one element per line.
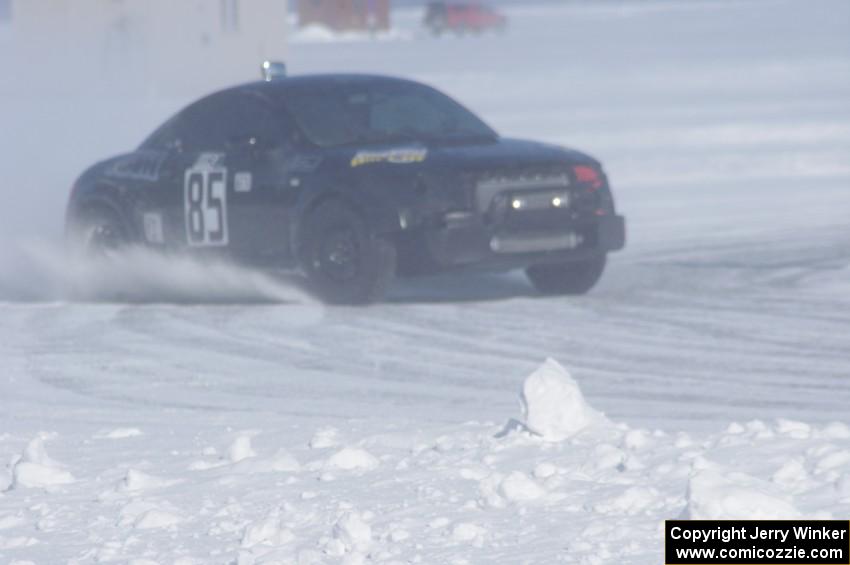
<point x="241" y="449"/>
<point x="137" y="481"/>
<point x="791" y="473"/>
<point x="9" y="522"/>
<point x="282" y="462"/>
<point x="715" y="495"/>
<point x="469" y="533"/>
<point x="352" y="534"/>
<point x="153" y="519"/>
<point x="519" y="487"/>
<point x="35" y="469"/>
<point x="268" y="532"/>
<point x="324" y="438"/>
<point x="553" y="405"/>
<point x="632" y="501"/>
<point x="120" y="433"/>
<point x="353" y="458"/>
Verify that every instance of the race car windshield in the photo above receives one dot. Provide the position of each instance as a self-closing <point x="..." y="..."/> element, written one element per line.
<point x="341" y="114"/>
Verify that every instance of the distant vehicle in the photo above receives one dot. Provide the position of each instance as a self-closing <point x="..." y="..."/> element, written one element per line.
<point x="460" y="18"/>
<point x="352" y="179"/>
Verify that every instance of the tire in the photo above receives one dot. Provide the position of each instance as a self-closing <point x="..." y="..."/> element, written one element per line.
<point x="344" y="261"/>
<point x="572" y="278"/>
<point x="97" y="233"/>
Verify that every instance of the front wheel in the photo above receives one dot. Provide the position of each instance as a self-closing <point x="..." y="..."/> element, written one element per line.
<point x="345" y="262"/>
<point x="569" y="278"/>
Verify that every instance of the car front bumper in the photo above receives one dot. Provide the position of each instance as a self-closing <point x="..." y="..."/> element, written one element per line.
<point x="464" y="240"/>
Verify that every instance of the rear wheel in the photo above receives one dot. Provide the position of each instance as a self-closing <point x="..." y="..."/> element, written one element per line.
<point x="567" y="278"/>
<point x="345" y="262"/>
<point x="97" y="233"/>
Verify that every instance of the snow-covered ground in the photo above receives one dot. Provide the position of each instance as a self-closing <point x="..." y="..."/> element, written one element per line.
<point x="253" y="425"/>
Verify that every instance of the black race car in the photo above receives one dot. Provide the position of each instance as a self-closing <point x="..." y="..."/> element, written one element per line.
<point x="352" y="179"/>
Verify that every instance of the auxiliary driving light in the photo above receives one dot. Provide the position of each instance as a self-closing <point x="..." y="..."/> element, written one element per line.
<point x="518" y="204"/>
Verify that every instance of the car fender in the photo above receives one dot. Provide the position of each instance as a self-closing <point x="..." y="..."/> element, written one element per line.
<point x="370" y="202"/>
<point x="93" y="190"/>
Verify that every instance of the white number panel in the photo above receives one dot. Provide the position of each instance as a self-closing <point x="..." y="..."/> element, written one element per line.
<point x="205" y="204"/>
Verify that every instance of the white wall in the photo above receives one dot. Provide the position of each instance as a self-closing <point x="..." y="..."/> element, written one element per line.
<point x="81" y="80"/>
<point x="146" y="46"/>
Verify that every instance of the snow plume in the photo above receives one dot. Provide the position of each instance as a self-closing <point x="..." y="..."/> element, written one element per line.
<point x="42" y="271"/>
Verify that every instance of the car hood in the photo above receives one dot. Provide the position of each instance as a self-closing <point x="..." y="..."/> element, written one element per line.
<point x="506" y="153"/>
<point x="498" y="154"/>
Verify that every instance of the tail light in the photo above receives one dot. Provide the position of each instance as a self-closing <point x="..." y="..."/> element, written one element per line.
<point x="589" y="176"/>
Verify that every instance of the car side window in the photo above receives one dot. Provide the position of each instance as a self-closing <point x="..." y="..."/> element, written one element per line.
<point x="404" y="112"/>
<point x="200" y="126"/>
<point x="249" y="116"/>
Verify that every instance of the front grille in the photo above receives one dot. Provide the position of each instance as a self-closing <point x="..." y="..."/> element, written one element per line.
<point x="538" y="189"/>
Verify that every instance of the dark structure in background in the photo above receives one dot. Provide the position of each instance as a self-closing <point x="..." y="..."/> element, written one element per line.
<point x="345" y="15"/>
<point x="463" y="17"/>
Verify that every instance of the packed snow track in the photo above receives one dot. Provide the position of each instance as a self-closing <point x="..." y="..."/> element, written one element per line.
<point x="214" y="415"/>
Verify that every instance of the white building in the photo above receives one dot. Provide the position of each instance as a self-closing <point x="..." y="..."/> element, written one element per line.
<point x="146" y="46"/>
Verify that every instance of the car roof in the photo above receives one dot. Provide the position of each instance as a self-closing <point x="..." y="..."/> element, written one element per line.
<point x="281" y="85"/>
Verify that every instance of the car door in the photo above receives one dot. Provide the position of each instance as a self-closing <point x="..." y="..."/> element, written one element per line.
<point x="221" y="186"/>
<point x="257" y="147"/>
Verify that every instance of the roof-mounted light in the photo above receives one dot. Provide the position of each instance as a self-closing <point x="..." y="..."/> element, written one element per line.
<point x="273" y="70"/>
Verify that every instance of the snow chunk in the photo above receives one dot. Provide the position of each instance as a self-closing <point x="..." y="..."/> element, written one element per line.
<point x="713" y="495"/>
<point x="833" y="460"/>
<point x="606" y="456"/>
<point x="17" y="542"/>
<point x="352" y="458"/>
<point x="282" y="462"/>
<point x="157" y="519"/>
<point x="519" y="487"/>
<point x="545" y="470"/>
<point x="324" y="438"/>
<point x="837" y="430"/>
<point x="241" y="449"/>
<point x="9" y="522"/>
<point x="267" y="532"/>
<point x="137" y="481"/>
<point x="632" y="501"/>
<point x="553" y="405"/>
<point x="35" y="469"/>
<point x="635" y="440"/>
<point x="353" y="533"/>
<point x="468" y="532"/>
<point x="120" y="433"/>
<point x="793" y="429"/>
<point x="792" y="472"/>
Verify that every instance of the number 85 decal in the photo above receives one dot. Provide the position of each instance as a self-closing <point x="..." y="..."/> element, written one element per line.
<point x="205" y="202"/>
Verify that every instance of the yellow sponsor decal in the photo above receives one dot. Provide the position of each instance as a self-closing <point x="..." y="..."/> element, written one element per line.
<point x="394" y="156"/>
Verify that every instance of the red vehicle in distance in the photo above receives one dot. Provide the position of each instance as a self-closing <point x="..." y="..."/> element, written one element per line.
<point x="461" y="18"/>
